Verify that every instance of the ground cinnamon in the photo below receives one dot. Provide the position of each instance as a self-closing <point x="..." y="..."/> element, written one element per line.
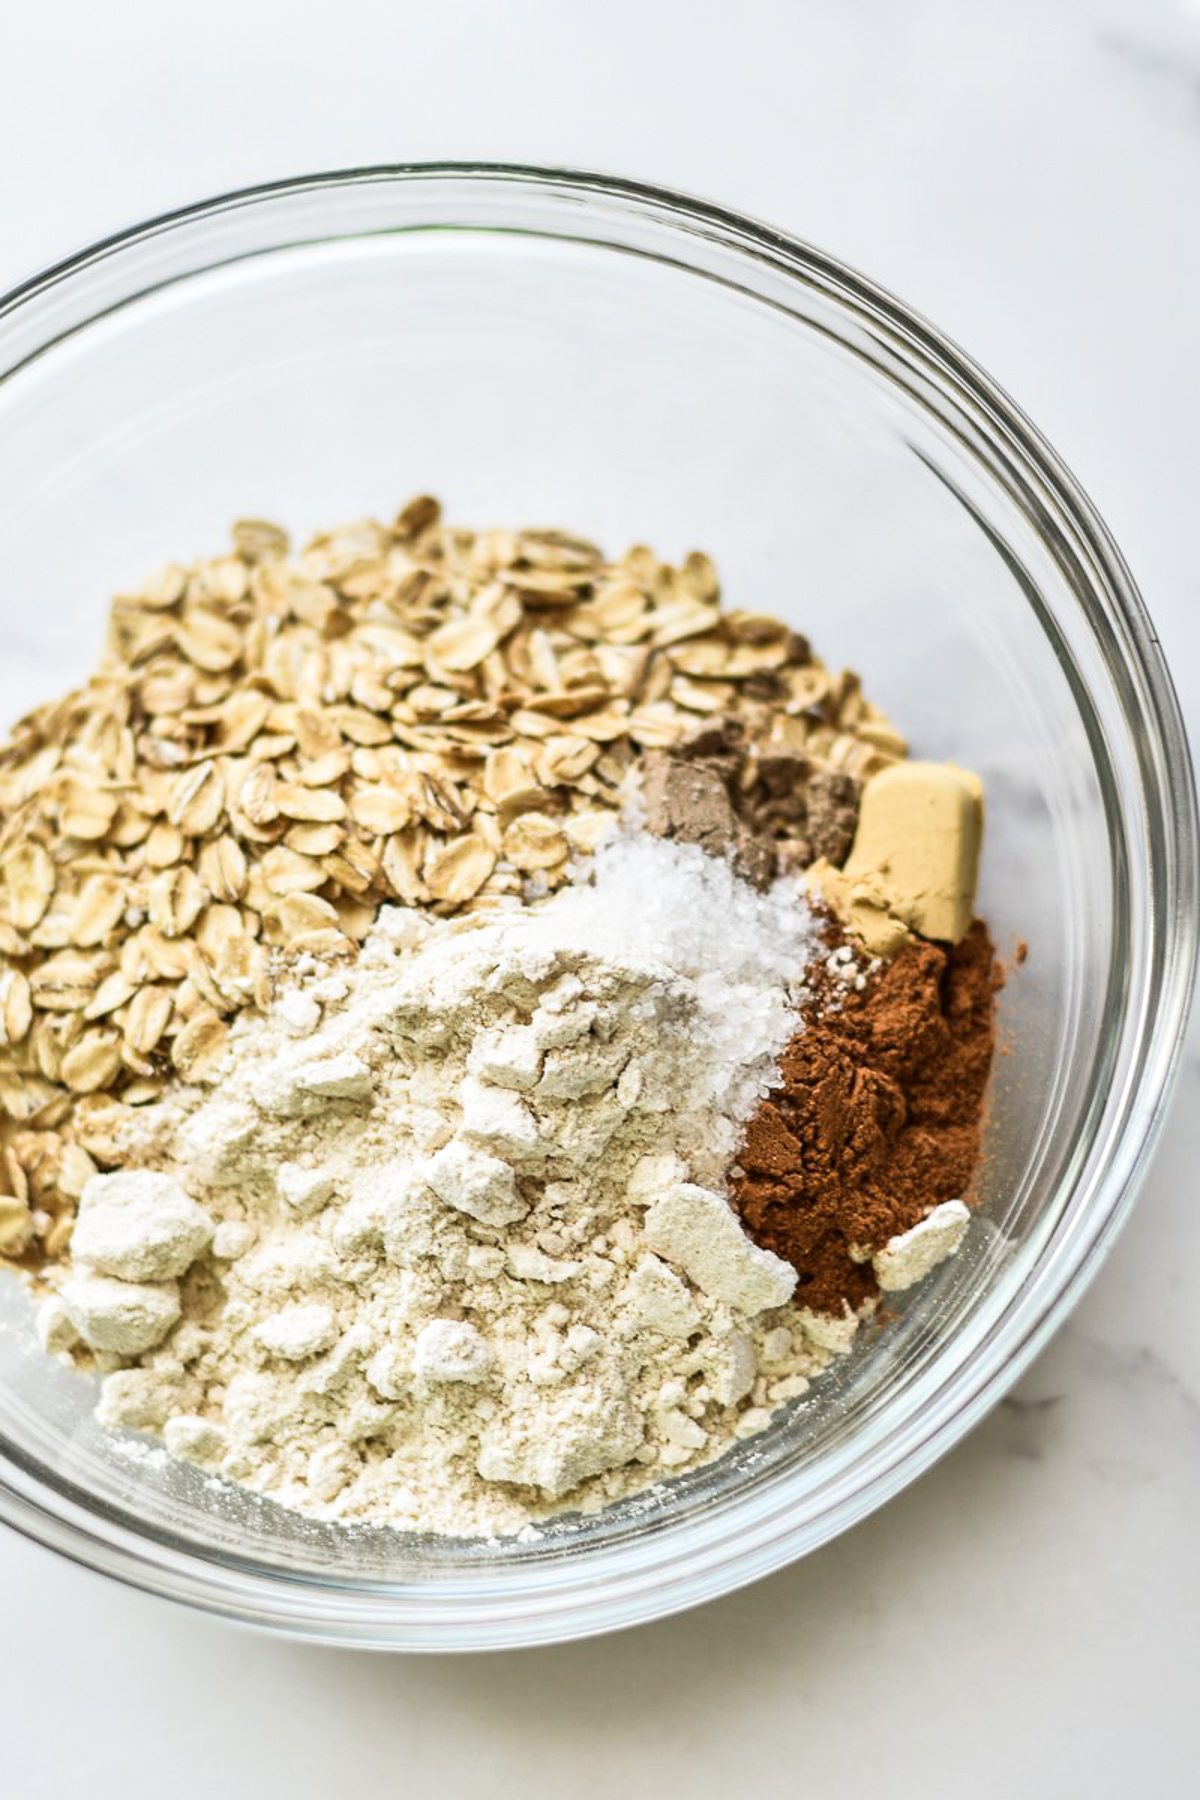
<point x="877" y="1118"/>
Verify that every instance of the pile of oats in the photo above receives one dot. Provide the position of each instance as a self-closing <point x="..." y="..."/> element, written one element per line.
<point x="273" y="747"/>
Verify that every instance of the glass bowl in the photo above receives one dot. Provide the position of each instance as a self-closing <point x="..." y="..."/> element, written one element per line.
<point x="538" y="346"/>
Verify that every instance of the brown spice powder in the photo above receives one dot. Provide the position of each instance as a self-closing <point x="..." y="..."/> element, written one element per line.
<point x="877" y="1119"/>
<point x="736" y="788"/>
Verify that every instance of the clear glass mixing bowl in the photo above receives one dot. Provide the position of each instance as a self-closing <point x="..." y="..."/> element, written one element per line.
<point x="545" y="347"/>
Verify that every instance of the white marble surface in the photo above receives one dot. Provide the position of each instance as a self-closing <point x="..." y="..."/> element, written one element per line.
<point x="1022" y="1620"/>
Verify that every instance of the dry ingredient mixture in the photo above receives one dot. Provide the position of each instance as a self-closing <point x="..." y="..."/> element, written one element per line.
<point x="479" y="1025"/>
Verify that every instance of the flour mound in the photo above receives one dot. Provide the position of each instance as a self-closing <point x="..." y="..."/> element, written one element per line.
<point x="472" y="1262"/>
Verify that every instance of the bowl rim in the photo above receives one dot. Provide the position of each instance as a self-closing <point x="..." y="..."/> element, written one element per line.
<point x="63" y="1519"/>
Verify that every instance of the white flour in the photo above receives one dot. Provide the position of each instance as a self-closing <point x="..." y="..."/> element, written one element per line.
<point x="470" y="1258"/>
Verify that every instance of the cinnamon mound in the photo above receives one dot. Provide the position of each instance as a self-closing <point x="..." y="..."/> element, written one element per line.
<point x="877" y="1119"/>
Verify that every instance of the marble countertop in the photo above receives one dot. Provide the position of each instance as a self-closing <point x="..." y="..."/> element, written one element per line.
<point x="1020" y="1620"/>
